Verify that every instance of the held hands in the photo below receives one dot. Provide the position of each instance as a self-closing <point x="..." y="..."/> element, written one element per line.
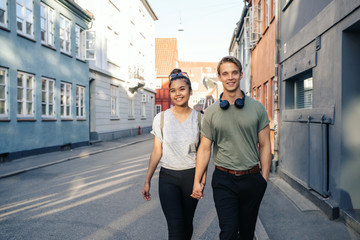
<point x="198" y="191"/>
<point x="146" y="192"/>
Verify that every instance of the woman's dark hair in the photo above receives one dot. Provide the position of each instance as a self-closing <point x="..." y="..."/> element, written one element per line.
<point x="177" y="71"/>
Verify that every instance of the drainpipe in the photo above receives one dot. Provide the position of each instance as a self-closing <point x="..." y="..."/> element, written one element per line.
<point x="276" y="108"/>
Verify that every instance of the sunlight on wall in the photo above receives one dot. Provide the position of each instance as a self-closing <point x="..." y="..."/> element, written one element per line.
<point x="350" y="176"/>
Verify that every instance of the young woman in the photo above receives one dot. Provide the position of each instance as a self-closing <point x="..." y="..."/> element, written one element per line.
<point x="176" y="137"/>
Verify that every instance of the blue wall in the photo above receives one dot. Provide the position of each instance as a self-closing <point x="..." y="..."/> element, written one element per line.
<point x="18" y="53"/>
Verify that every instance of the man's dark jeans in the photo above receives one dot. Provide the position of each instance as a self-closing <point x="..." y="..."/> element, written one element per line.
<point x="237" y="201"/>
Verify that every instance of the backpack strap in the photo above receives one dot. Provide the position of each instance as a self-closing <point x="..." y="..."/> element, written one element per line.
<point x="199" y="120"/>
<point x="162" y="122"/>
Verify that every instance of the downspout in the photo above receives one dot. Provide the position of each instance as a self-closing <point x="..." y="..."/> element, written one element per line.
<point x="276" y="107"/>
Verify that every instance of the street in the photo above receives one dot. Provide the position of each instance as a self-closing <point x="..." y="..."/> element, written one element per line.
<point x="96" y="197"/>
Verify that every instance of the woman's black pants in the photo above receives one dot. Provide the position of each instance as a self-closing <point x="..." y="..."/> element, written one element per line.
<point x="175" y="187"/>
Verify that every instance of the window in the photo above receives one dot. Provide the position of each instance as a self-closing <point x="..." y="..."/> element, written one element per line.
<point x="259" y="94"/>
<point x="131" y="108"/>
<point x="266" y="95"/>
<point x="114" y="101"/>
<point x="3" y="13"/>
<point x="195" y="86"/>
<point x="303" y="92"/>
<point x="65" y="100"/>
<point x="47" y="97"/>
<point x="79" y="39"/>
<point x="90" y="38"/>
<point x="24" y="17"/>
<point x="80" y="102"/>
<point x="65" y="45"/>
<point x="157" y="109"/>
<point x="47" y="17"/>
<point x="143" y="109"/>
<point x="25" y="94"/>
<point x="3" y="92"/>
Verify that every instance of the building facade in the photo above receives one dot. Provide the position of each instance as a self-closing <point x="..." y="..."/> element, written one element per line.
<point x="44" y="77"/>
<point x="240" y="48"/>
<point x="204" y="83"/>
<point x="320" y="92"/>
<point x="166" y="59"/>
<point x="122" y="93"/>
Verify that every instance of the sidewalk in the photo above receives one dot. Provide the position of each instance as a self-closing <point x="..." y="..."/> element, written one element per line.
<point x="22" y="165"/>
<point x="284" y="213"/>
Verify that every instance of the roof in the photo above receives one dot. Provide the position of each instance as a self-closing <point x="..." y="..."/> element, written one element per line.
<point x="166" y="55"/>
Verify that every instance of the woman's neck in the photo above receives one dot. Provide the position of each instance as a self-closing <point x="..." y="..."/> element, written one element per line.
<point x="181" y="110"/>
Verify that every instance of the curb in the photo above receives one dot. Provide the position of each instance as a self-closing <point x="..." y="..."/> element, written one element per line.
<point x="70" y="158"/>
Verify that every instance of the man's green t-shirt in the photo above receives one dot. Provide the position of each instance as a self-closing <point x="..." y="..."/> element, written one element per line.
<point x="235" y="133"/>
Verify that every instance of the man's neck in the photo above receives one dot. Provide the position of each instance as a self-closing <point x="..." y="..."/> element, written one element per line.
<point x="232" y="96"/>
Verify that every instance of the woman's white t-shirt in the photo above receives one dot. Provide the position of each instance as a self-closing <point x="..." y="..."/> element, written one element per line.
<point x="179" y="140"/>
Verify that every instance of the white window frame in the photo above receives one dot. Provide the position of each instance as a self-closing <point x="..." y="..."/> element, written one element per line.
<point x="89" y="45"/>
<point x="3" y="8"/>
<point x="157" y="108"/>
<point x="25" y="17"/>
<point x="48" y="97"/>
<point x="143" y="109"/>
<point x="79" y="42"/>
<point x="114" y="110"/>
<point x="4" y="86"/>
<point x="131" y="107"/>
<point x="47" y="24"/>
<point x="80" y="102"/>
<point x="65" y="35"/>
<point x="65" y="100"/>
<point x="26" y="98"/>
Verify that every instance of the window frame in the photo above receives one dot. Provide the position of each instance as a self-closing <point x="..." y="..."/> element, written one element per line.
<point x="80" y="102"/>
<point x="4" y="8"/>
<point x="266" y="95"/>
<point x="64" y="29"/>
<point x="6" y="95"/>
<point x="114" y="110"/>
<point x="24" y="19"/>
<point x="131" y="108"/>
<point x="157" y="108"/>
<point x="25" y="94"/>
<point x="47" y="102"/>
<point x="64" y="96"/>
<point x="307" y="93"/>
<point x="143" y="110"/>
<point x="79" y="42"/>
<point x="49" y="25"/>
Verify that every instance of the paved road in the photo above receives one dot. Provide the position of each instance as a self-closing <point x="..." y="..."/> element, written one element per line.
<point x="95" y="197"/>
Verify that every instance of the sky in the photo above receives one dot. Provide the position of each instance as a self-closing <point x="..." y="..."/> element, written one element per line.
<point x="208" y="26"/>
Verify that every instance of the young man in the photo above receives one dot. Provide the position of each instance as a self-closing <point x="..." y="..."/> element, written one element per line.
<point x="239" y="128"/>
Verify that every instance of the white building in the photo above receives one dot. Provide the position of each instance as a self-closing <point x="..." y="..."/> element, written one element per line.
<point x="121" y="95"/>
<point x="240" y="48"/>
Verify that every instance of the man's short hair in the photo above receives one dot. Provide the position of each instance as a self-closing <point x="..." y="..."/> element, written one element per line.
<point x="230" y="59"/>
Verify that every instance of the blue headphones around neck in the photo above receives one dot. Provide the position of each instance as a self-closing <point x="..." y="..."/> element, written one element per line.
<point x="239" y="103"/>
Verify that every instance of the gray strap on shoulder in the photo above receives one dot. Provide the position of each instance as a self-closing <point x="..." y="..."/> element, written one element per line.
<point x="199" y="120"/>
